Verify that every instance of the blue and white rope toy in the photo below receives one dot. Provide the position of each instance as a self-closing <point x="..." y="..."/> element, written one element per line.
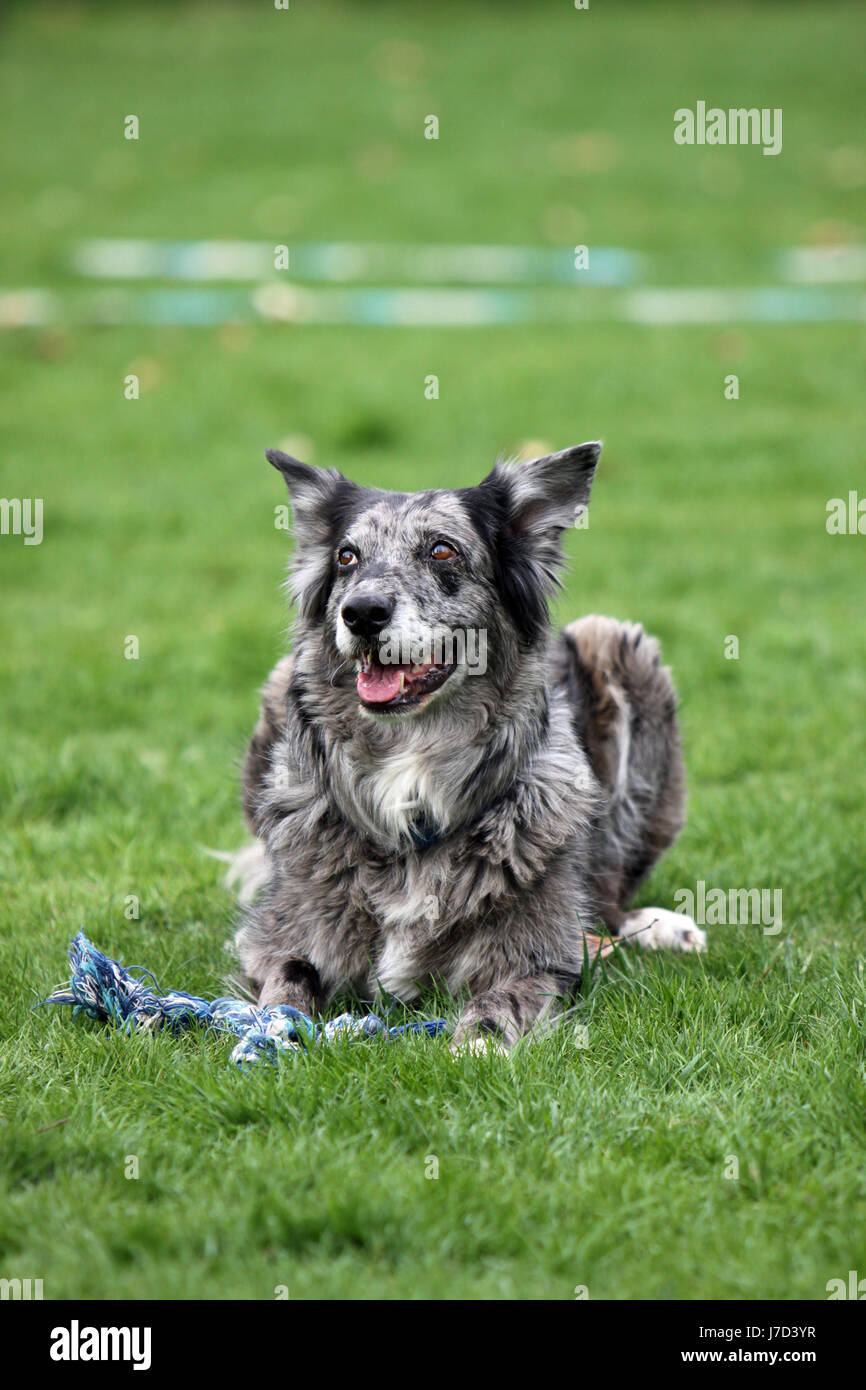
<point x="105" y="990"/>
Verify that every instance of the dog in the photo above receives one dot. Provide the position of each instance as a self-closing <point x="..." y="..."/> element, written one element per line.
<point x="427" y="813"/>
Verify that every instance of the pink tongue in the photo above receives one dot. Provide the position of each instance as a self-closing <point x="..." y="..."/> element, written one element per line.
<point x="378" y="684"/>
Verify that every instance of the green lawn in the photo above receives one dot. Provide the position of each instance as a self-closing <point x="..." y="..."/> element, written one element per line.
<point x="560" y="1166"/>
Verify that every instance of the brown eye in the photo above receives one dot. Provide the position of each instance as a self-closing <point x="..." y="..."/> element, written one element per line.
<point x="346" y="558"/>
<point x="443" y="551"/>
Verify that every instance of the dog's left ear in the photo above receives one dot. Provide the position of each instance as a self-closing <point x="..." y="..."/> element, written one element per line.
<point x="524" y="509"/>
<point x="548" y="493"/>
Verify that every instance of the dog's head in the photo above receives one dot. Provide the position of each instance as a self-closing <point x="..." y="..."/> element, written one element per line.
<point x="411" y="594"/>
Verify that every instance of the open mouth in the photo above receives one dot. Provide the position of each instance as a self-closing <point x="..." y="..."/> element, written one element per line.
<point x="387" y="688"/>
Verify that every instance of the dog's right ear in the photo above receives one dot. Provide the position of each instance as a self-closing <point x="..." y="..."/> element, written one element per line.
<point x="322" y="502"/>
<point x="310" y="490"/>
<point x="316" y="495"/>
<point x="292" y="470"/>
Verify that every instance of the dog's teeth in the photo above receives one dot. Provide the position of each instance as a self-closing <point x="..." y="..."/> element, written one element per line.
<point x="402" y="681"/>
<point x="416" y="669"/>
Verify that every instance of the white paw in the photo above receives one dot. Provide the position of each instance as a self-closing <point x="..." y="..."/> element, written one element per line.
<point x="477" y="1047"/>
<point x="655" y="927"/>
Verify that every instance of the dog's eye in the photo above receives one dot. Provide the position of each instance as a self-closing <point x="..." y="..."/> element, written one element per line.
<point x="346" y="558"/>
<point x="443" y="551"/>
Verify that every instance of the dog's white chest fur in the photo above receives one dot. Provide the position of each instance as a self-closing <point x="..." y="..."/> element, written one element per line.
<point x="403" y="792"/>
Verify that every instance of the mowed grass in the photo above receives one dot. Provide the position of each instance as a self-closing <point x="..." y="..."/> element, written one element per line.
<point x="562" y="1166"/>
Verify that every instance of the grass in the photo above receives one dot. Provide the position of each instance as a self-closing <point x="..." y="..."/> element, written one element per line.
<point x="561" y="1166"/>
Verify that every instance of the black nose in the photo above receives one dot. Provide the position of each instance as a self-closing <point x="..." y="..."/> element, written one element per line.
<point x="366" y="614"/>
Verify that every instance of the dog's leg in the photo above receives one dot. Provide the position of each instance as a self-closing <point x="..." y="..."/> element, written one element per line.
<point x="625" y="705"/>
<point x="295" y="982"/>
<point x="494" y="1019"/>
<point x="654" y="927"/>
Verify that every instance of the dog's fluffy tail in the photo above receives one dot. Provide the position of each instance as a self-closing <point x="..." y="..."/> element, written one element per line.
<point x="247" y="871"/>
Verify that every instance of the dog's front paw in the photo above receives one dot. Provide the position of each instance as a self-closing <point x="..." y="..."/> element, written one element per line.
<point x="656" y="928"/>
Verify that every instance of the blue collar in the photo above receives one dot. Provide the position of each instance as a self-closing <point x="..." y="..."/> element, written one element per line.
<point x="425" y="836"/>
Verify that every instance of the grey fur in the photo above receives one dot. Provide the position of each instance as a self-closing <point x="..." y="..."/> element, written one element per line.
<point x="548" y="785"/>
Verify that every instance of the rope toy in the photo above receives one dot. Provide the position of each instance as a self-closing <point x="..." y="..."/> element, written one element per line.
<point x="105" y="990"/>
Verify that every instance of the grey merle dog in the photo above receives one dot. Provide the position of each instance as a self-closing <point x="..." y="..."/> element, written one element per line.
<point x="421" y="818"/>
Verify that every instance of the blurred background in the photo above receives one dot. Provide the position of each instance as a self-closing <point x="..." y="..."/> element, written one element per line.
<point x="427" y="314"/>
<point x="304" y="132"/>
<point x="429" y="318"/>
